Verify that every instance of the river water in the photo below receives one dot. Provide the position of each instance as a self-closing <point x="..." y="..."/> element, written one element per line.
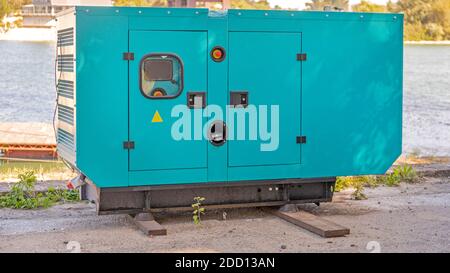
<point x="27" y="91"/>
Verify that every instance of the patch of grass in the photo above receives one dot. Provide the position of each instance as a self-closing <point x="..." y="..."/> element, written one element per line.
<point x="342" y="183"/>
<point x="406" y="174"/>
<point x="402" y="173"/>
<point x="57" y="170"/>
<point x="358" y="194"/>
<point x="390" y="180"/>
<point x="22" y="194"/>
<point x="356" y="182"/>
<point x="370" y="181"/>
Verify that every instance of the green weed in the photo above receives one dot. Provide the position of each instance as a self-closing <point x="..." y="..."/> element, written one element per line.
<point x="198" y="210"/>
<point x="356" y="182"/>
<point x="406" y="173"/>
<point x="403" y="173"/>
<point x="22" y="194"/>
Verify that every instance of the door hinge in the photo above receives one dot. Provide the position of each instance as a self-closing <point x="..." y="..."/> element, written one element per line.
<point x="301" y="139"/>
<point x="128" y="56"/>
<point x="128" y="145"/>
<point x="301" y="57"/>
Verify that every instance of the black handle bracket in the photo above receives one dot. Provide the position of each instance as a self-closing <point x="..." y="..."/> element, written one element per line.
<point x="301" y="139"/>
<point x="239" y="99"/>
<point x="196" y="100"/>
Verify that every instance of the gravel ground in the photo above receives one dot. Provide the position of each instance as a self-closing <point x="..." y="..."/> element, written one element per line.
<point x="409" y="218"/>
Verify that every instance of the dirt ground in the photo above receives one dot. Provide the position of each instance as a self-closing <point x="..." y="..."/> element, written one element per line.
<point x="409" y="218"/>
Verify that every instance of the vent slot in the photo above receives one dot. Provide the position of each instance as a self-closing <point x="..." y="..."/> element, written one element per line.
<point x="66" y="141"/>
<point x="65" y="114"/>
<point x="65" y="88"/>
<point x="65" y="37"/>
<point x="65" y="63"/>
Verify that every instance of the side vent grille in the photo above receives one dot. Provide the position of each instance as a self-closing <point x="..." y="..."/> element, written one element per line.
<point x="66" y="84"/>
<point x="65" y="63"/>
<point x="65" y="37"/>
<point x="65" y="114"/>
<point x="65" y="88"/>
<point x="66" y="141"/>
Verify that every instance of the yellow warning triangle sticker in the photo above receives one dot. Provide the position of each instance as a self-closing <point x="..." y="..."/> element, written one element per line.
<point x="157" y="117"/>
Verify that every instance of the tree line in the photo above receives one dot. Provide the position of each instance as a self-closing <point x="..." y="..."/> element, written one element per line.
<point x="424" y="19"/>
<point x="237" y="4"/>
<point x="9" y="7"/>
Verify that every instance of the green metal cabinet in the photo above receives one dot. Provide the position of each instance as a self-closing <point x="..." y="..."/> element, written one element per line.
<point x="336" y="78"/>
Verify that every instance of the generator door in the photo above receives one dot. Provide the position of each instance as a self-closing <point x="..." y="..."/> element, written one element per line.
<point x="265" y="95"/>
<point x="168" y="70"/>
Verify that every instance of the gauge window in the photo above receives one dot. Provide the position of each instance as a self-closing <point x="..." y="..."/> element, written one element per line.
<point x="161" y="76"/>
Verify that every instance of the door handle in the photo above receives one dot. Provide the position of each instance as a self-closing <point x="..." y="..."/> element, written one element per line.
<point x="217" y="133"/>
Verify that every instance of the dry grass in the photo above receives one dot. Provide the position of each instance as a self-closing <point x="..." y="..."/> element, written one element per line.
<point x="415" y="159"/>
<point x="44" y="171"/>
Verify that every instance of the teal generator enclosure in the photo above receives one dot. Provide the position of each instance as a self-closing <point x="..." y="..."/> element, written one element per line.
<point x="242" y="107"/>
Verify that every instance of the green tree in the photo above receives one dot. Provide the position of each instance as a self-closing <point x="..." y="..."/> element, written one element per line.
<point x="141" y="3"/>
<point x="321" y="4"/>
<point x="416" y="11"/>
<point x="5" y="8"/>
<point x="239" y="4"/>
<point x="250" y="4"/>
<point x="367" y="6"/>
<point x="440" y="14"/>
<point x="8" y="7"/>
<point x="424" y="19"/>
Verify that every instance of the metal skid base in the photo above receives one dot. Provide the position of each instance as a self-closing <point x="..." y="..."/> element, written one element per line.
<point x="135" y="200"/>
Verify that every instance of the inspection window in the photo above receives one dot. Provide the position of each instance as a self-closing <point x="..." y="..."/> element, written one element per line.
<point x="161" y="76"/>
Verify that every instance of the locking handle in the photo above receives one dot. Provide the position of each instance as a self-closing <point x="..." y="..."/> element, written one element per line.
<point x="217" y="133"/>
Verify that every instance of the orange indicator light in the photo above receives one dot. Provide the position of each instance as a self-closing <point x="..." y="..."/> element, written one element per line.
<point x="218" y="54"/>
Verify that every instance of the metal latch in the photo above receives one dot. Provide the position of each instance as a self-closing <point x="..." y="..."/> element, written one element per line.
<point x="301" y="57"/>
<point x="128" y="56"/>
<point x="301" y="139"/>
<point x="128" y="145"/>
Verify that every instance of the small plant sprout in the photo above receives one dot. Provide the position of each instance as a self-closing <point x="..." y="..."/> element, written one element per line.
<point x="402" y="173"/>
<point x="198" y="210"/>
<point x="407" y="174"/>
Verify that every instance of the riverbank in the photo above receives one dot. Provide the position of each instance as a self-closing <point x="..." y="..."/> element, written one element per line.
<point x="427" y="42"/>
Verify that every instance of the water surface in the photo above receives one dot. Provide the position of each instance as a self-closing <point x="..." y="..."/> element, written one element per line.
<point x="27" y="83"/>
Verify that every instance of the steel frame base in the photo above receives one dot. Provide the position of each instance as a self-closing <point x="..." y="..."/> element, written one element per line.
<point x="266" y="193"/>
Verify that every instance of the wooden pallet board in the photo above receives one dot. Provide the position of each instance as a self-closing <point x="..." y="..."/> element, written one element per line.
<point x="32" y="140"/>
<point x="27" y="133"/>
<point x="312" y="223"/>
